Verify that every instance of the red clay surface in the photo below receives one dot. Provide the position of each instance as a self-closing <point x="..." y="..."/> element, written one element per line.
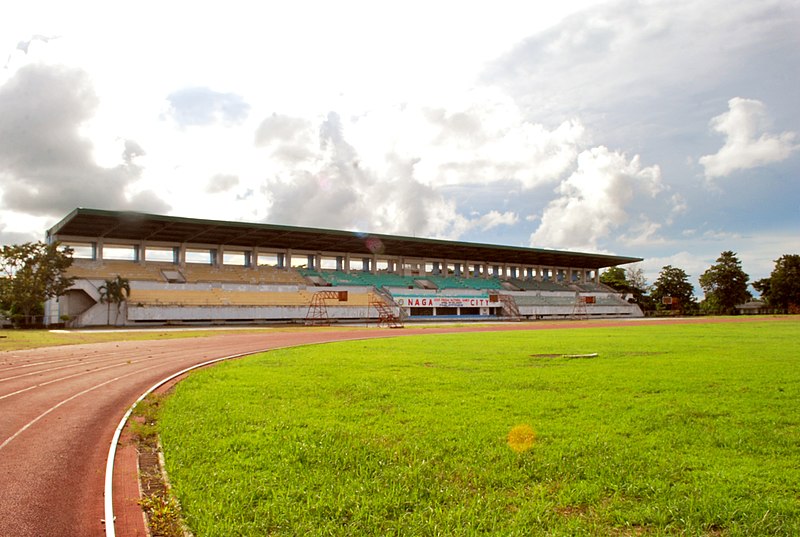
<point x="59" y="407"/>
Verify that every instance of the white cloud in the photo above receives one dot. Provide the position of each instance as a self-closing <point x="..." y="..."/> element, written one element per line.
<point x="493" y="219"/>
<point x="221" y="183"/>
<point x="594" y="200"/>
<point x="334" y="187"/>
<point x="477" y="138"/>
<point x="46" y="161"/>
<point x="746" y="144"/>
<point x="644" y="233"/>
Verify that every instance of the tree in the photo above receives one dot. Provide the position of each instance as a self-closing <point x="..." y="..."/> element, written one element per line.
<point x="782" y="289"/>
<point x="114" y="291"/>
<point x="673" y="283"/>
<point x="614" y="277"/>
<point x="630" y="281"/>
<point x="724" y="285"/>
<point x="639" y="288"/>
<point x="32" y="273"/>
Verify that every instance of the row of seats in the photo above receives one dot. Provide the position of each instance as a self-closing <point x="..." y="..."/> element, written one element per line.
<point x="560" y="300"/>
<point x="221" y="297"/>
<point x="365" y="279"/>
<point x="458" y="282"/>
<point x="262" y="274"/>
<point x="536" y="285"/>
<point x="109" y="269"/>
<point x="191" y="272"/>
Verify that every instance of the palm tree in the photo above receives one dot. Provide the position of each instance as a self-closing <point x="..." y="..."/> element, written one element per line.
<point x="114" y="291"/>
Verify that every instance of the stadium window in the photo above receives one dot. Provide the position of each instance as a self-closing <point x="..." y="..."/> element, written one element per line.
<point x="120" y="252"/>
<point x="234" y="258"/>
<point x="299" y="261"/>
<point x="82" y="250"/>
<point x="200" y="256"/>
<point x="159" y="254"/>
<point x="328" y="263"/>
<point x="382" y="265"/>
<point x="267" y="259"/>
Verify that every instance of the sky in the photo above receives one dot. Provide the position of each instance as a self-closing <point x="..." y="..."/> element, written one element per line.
<point x="666" y="130"/>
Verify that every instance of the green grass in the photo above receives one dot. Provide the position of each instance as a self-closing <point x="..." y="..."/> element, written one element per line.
<point x="671" y="430"/>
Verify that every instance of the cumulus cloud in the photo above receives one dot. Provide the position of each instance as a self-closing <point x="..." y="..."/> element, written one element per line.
<point x="594" y="200"/>
<point x="288" y="138"/>
<point x="482" y="138"/>
<point x="203" y="106"/>
<point x="494" y="219"/>
<point x="746" y="144"/>
<point x="335" y="189"/>
<point x="599" y="61"/>
<point x="16" y="237"/>
<point x="221" y="183"/>
<point x="131" y="151"/>
<point x="46" y="165"/>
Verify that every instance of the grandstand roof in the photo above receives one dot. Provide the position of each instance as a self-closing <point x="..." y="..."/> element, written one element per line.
<point x="121" y="225"/>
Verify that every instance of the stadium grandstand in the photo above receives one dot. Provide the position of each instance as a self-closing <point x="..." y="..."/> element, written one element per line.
<point x="194" y="271"/>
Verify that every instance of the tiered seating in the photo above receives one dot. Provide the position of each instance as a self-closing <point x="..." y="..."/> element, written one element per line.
<point x="534" y="285"/>
<point x="232" y="274"/>
<point x="217" y="297"/>
<point x="105" y="270"/>
<point x="610" y="300"/>
<point x="148" y="297"/>
<point x="196" y="272"/>
<point x="544" y="300"/>
<point x="272" y="275"/>
<point x="592" y="287"/>
<point x="457" y="282"/>
<point x="223" y="297"/>
<point x="360" y="278"/>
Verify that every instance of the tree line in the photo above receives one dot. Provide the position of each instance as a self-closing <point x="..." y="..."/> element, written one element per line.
<point x="724" y="285"/>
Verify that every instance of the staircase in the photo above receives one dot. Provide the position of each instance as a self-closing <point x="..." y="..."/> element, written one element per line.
<point x="510" y="308"/>
<point x="384" y="303"/>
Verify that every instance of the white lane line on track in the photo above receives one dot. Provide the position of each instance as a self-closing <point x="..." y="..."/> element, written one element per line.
<point x="82" y="373"/>
<point x="112" y="450"/>
<point x="30" y="364"/>
<point x="65" y="401"/>
<point x="74" y="364"/>
<point x="110" y="519"/>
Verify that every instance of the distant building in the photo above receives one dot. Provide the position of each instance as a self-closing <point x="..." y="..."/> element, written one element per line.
<point x="753" y="307"/>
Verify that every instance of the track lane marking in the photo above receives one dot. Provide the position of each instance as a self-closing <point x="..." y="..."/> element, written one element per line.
<point x="65" y="401"/>
<point x="82" y="373"/>
<point x="75" y="364"/>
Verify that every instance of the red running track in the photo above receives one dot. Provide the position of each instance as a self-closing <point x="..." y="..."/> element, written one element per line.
<point x="60" y="406"/>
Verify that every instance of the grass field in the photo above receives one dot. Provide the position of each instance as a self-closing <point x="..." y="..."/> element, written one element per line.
<point x="670" y="430"/>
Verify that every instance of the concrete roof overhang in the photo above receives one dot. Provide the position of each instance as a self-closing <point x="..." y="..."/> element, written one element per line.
<point x="133" y="226"/>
